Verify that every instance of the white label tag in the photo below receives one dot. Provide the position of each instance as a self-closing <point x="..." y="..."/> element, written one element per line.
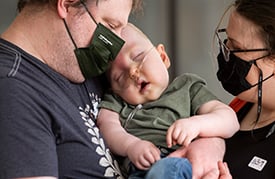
<point x="257" y="163"/>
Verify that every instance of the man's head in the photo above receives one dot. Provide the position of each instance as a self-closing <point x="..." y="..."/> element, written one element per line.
<point x="136" y="5"/>
<point x="47" y="18"/>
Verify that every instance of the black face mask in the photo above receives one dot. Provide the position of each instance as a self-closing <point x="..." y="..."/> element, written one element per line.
<point x="232" y="74"/>
<point x="104" y="47"/>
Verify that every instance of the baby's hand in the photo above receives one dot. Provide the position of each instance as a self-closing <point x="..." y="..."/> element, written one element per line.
<point x="143" y="154"/>
<point x="182" y="132"/>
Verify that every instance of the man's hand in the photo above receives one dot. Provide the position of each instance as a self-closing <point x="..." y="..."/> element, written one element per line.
<point x="204" y="154"/>
<point x="224" y="170"/>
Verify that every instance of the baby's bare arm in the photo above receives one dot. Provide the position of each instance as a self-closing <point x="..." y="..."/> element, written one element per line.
<point x="142" y="153"/>
<point x="214" y="119"/>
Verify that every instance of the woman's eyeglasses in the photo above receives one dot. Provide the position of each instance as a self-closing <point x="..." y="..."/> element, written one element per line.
<point x="222" y="39"/>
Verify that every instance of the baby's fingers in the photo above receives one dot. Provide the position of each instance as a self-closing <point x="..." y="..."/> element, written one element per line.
<point x="149" y="158"/>
<point x="169" y="139"/>
<point x="173" y="135"/>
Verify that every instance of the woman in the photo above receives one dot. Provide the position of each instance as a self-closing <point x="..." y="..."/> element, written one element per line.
<point x="246" y="70"/>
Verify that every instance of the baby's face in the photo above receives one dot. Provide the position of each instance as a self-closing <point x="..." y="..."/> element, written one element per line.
<point x="138" y="73"/>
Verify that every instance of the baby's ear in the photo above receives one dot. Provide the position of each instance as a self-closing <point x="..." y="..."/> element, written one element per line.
<point x="163" y="55"/>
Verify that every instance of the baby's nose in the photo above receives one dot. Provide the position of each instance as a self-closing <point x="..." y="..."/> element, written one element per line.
<point x="134" y="73"/>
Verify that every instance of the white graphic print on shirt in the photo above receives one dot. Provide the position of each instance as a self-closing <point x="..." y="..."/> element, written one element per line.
<point x="89" y="113"/>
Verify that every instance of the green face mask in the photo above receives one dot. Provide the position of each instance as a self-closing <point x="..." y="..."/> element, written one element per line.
<point x="95" y="59"/>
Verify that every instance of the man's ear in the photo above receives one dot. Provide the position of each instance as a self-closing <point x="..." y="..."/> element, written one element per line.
<point x="62" y="7"/>
<point x="163" y="55"/>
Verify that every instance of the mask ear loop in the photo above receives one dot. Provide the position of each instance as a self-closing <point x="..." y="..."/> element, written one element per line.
<point x="67" y="28"/>
<point x="81" y="1"/>
<point x="70" y="35"/>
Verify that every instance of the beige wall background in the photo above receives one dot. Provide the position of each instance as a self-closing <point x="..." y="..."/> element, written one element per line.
<point x="185" y="27"/>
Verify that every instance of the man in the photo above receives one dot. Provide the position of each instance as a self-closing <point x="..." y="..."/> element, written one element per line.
<point x="47" y="110"/>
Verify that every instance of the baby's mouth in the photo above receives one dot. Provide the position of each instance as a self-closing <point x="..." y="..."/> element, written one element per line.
<point x="143" y="86"/>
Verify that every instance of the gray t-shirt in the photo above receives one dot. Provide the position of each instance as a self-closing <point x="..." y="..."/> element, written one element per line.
<point x="47" y="123"/>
